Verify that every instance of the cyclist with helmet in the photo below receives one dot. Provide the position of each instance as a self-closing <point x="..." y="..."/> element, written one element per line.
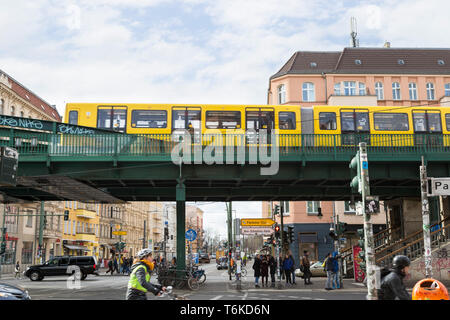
<point x="392" y="286"/>
<point x="139" y="283"/>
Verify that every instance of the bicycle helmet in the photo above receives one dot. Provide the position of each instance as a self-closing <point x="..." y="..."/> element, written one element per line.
<point x="144" y="252"/>
<point x="400" y="262"/>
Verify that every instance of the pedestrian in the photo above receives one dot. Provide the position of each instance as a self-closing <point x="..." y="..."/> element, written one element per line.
<point x="17" y="270"/>
<point x="110" y="267"/>
<point x="272" y="269"/>
<point x="139" y="283"/>
<point x="257" y="268"/>
<point x="264" y="270"/>
<point x="392" y="286"/>
<point x="287" y="267"/>
<point x="116" y="267"/>
<point x="174" y="262"/>
<point x="293" y="267"/>
<point x="329" y="267"/>
<point x="305" y="266"/>
<point x="244" y="260"/>
<point x="336" y="283"/>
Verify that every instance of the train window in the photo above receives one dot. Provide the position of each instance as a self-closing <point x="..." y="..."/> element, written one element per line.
<point x="73" y="117"/>
<point x="115" y="119"/>
<point x="149" y="119"/>
<point x="327" y="121"/>
<point x="427" y="122"/>
<point x="260" y="120"/>
<point x="391" y="121"/>
<point x="223" y="119"/>
<point x="355" y="121"/>
<point x="180" y="121"/>
<point x="447" y="120"/>
<point x="286" y="120"/>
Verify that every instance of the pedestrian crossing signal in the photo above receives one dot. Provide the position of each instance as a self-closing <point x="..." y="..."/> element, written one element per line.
<point x="66" y="215"/>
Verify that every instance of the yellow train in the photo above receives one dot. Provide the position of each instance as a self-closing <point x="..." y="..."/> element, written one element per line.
<point x="319" y="125"/>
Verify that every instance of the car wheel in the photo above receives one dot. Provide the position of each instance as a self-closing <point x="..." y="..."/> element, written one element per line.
<point x="83" y="275"/>
<point x="36" y="276"/>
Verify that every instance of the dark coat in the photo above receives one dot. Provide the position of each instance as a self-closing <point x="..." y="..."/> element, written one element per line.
<point x="272" y="265"/>
<point x="257" y="267"/>
<point x="264" y="268"/>
<point x="392" y="287"/>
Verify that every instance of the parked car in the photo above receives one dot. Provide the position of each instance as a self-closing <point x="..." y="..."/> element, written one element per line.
<point x="222" y="263"/>
<point x="315" y="268"/>
<point x="59" y="266"/>
<point x="9" y="292"/>
<point x="204" y="258"/>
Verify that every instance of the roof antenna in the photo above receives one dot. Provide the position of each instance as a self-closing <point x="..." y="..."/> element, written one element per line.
<point x="354" y="33"/>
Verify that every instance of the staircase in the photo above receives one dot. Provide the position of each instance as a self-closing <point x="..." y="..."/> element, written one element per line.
<point x="388" y="244"/>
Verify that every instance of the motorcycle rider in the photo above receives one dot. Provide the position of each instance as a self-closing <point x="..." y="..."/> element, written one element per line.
<point x="392" y="286"/>
<point x="139" y="283"/>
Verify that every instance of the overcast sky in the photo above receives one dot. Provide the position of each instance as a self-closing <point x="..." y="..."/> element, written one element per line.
<point x="191" y="51"/>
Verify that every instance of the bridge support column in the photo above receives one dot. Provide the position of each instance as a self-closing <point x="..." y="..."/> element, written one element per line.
<point x="181" y="226"/>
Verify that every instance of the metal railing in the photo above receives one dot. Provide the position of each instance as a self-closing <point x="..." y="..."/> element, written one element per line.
<point x="33" y="143"/>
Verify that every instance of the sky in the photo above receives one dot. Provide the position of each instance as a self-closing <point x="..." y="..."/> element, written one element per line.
<point x="192" y="51"/>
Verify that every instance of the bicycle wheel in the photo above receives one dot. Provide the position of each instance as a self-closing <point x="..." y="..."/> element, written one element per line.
<point x="202" y="279"/>
<point x="193" y="284"/>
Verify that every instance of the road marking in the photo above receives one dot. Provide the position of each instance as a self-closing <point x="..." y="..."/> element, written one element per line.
<point x="306" y="298"/>
<point x="245" y="296"/>
<point x="217" y="298"/>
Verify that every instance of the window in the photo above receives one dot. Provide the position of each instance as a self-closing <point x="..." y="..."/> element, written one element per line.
<point x="73" y="117"/>
<point x="21" y="114"/>
<point x="286" y="120"/>
<point x="440" y="62"/>
<point x="355" y="121"/>
<point x="358" y="62"/>
<point x="349" y="88"/>
<point x="396" y="91"/>
<point x="379" y="91"/>
<point x="427" y="122"/>
<point x="309" y="242"/>
<point x="401" y="62"/>
<point x="112" y="118"/>
<point x="313" y="64"/>
<point x="308" y="92"/>
<point x="223" y="119"/>
<point x="312" y="207"/>
<point x="347" y="208"/>
<point x="281" y="94"/>
<point x="327" y="121"/>
<point x="412" y="91"/>
<point x="390" y="121"/>
<point x="2" y="104"/>
<point x="181" y="119"/>
<point x="29" y="221"/>
<point x="430" y="91"/>
<point x="337" y="89"/>
<point x="260" y="120"/>
<point x="12" y="110"/>
<point x="447" y="89"/>
<point x="447" y="120"/>
<point x="362" y="89"/>
<point x="149" y="119"/>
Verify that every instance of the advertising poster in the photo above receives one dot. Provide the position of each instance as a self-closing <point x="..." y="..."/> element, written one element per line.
<point x="357" y="271"/>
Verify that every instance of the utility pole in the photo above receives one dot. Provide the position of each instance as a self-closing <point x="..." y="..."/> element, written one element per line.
<point x="282" y="227"/>
<point x="230" y="238"/>
<point x="3" y="244"/>
<point x="425" y="219"/>
<point x="144" y="239"/>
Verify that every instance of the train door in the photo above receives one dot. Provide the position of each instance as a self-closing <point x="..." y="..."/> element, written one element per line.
<point x="187" y="118"/>
<point x="112" y="118"/>
<point x="258" y="119"/>
<point x="355" y="126"/>
<point x="427" y="127"/>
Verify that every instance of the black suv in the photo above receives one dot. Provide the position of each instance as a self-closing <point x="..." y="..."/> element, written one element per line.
<point x="60" y="266"/>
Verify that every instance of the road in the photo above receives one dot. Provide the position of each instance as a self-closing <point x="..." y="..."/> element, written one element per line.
<point x="217" y="287"/>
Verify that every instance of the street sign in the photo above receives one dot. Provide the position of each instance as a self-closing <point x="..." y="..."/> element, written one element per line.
<point x="440" y="186"/>
<point x="120" y="233"/>
<point x="256" y="231"/>
<point x="190" y="235"/>
<point x="264" y="222"/>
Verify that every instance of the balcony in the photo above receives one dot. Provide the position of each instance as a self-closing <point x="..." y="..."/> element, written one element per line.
<point x="87" y="214"/>
<point x="88" y="237"/>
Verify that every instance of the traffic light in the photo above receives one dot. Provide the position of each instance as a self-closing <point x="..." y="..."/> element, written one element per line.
<point x="333" y="234"/>
<point x="66" y="215"/>
<point x="355" y="171"/>
<point x="166" y="234"/>
<point x="290" y="234"/>
<point x="276" y="210"/>
<point x="341" y="228"/>
<point x="277" y="231"/>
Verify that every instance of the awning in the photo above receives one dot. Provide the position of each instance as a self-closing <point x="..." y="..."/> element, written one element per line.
<point x="74" y="247"/>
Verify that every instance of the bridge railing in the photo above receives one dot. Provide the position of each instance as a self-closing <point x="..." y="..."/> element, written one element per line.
<point x="32" y="143"/>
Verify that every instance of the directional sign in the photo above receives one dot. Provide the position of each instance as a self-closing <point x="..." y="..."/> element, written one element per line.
<point x="190" y="235"/>
<point x="264" y="222"/>
<point x="120" y="233"/>
<point x="256" y="231"/>
<point x="440" y="186"/>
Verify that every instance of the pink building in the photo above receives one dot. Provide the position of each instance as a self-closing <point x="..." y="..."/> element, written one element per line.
<point x="359" y="77"/>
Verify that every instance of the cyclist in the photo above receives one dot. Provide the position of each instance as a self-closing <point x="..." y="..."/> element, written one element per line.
<point x="392" y="286"/>
<point x="139" y="283"/>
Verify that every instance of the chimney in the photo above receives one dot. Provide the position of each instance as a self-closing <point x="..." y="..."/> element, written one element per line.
<point x="387" y="44"/>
